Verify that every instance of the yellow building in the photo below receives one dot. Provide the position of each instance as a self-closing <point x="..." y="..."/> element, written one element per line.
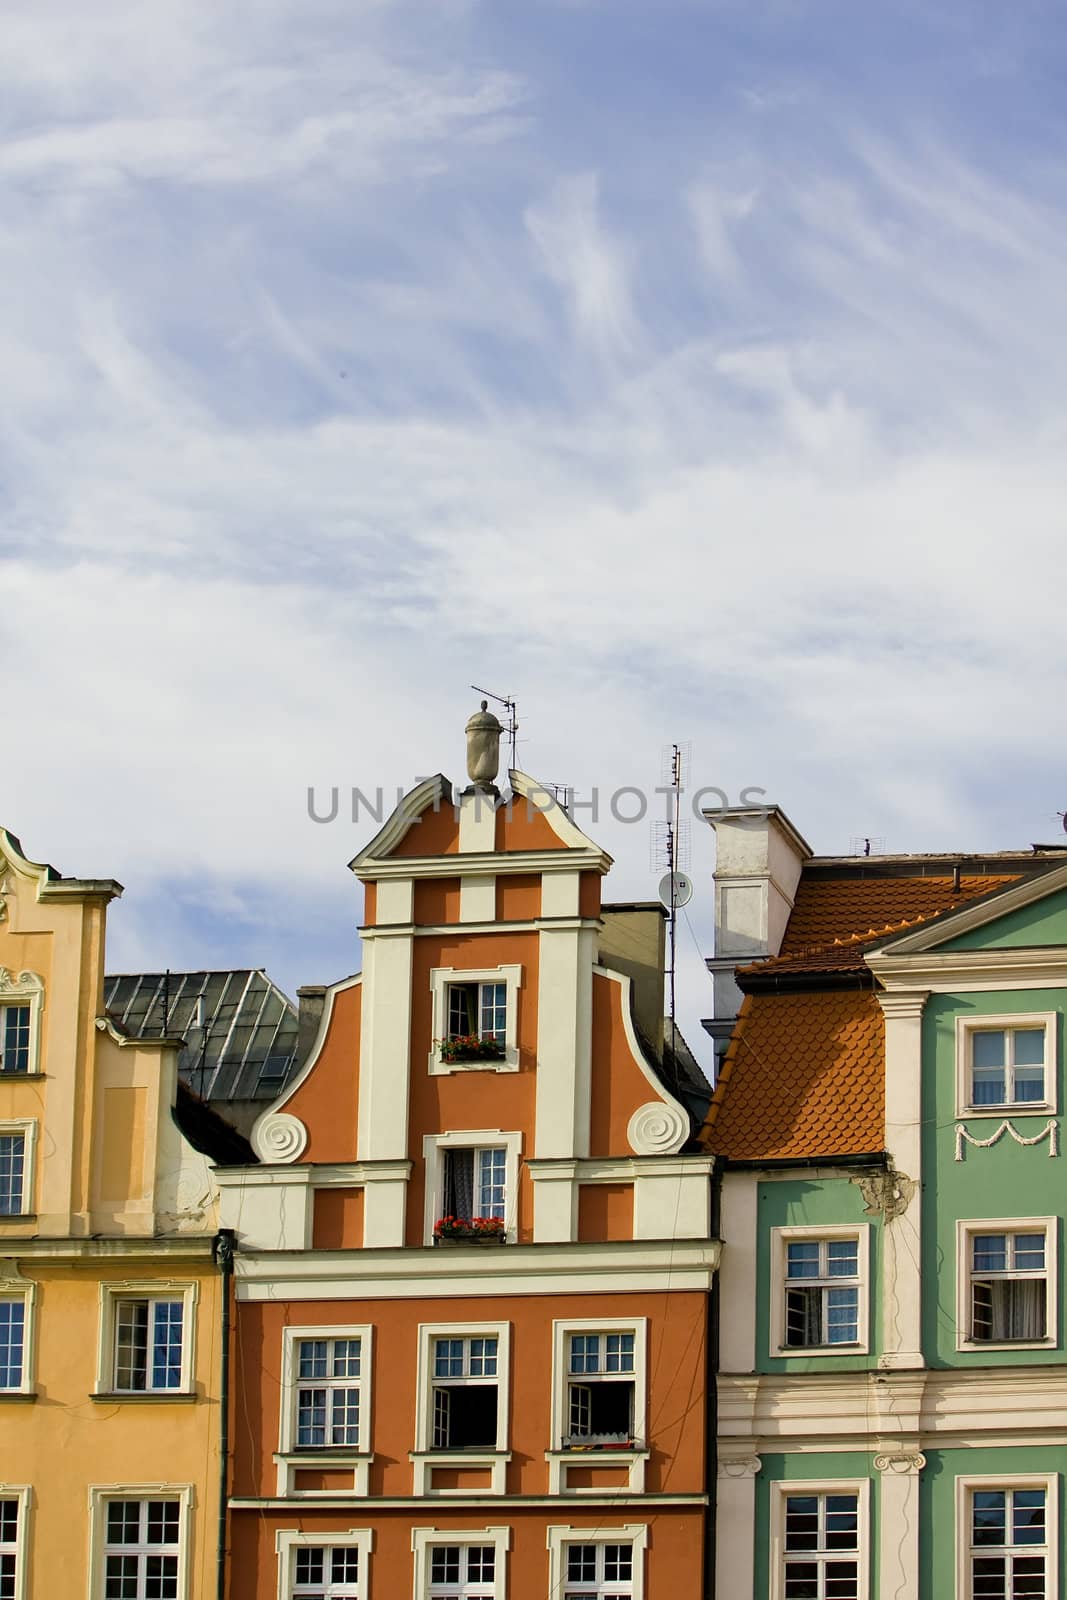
<point x="111" y="1299"/>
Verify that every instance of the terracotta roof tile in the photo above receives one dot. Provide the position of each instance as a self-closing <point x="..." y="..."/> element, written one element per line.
<point x="802" y="1076"/>
<point x="829" y="909"/>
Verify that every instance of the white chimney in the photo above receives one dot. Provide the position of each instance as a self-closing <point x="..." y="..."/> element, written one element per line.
<point x="758" y="858"/>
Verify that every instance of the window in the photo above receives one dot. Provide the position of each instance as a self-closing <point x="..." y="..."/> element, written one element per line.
<point x="12" y="1174"/>
<point x="598" y="1563"/>
<point x="462" y="1572"/>
<point x="325" y="1411"/>
<point x="475" y="1005"/>
<point x="466" y="1565"/>
<point x="21" y="995"/>
<point x="142" y="1549"/>
<point x="148" y="1344"/>
<point x="478" y="1008"/>
<point x="820" y="1544"/>
<point x="312" y="1570"/>
<point x="1006" y="1274"/>
<point x="1005" y="1062"/>
<point x="15" y="1038"/>
<point x="12" y="1344"/>
<point x="600" y="1389"/>
<point x="13" y="1507"/>
<point x="1006" y="1545"/>
<point x="465" y="1400"/>
<point x="462" y="1401"/>
<point x="146" y="1339"/>
<point x="822" y="1293"/>
<point x="472" y="1173"/>
<point x="821" y="1290"/>
<point x="599" y="1396"/>
<point x="475" y="1183"/>
<point x="329" y="1373"/>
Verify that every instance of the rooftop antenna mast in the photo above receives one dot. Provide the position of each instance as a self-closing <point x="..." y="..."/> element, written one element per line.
<point x="671" y="850"/>
<point x="511" y="711"/>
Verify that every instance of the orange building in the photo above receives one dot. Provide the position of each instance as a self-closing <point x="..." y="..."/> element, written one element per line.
<point x="474" y="1265"/>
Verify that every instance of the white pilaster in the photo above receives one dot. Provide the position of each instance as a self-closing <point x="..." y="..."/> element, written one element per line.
<point x="385" y="1049"/>
<point x="564" y="1040"/>
<point x="735" y="1520"/>
<point x="477" y="823"/>
<point x="902" y="1231"/>
<point x="898" y="1519"/>
<point x="395" y="901"/>
<point x="671" y="1203"/>
<point x="384" y="1205"/>
<point x="738" y="1275"/>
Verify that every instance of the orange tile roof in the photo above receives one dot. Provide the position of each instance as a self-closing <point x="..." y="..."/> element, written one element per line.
<point x="802" y="1076"/>
<point x="829" y="909"/>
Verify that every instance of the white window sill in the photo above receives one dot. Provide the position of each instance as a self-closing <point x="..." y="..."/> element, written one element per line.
<point x="144" y="1396"/>
<point x="821" y="1350"/>
<point x="1017" y="1108"/>
<point x="980" y="1346"/>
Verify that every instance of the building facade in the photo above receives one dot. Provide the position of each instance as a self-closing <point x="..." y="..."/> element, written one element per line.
<point x="109" y="1293"/>
<point x="893" y="1384"/>
<point x="475" y="1259"/>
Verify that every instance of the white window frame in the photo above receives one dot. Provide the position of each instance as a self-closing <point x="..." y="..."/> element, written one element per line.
<point x="287" y="1541"/>
<point x="440" y="978"/>
<point x="966" y="1228"/>
<point x="781" y="1489"/>
<point x="147" y="1289"/>
<point x="831" y="1232"/>
<point x="292" y="1457"/>
<point x="25" y="1295"/>
<point x="423" y="1541"/>
<point x="99" y="1497"/>
<point x="433" y="1147"/>
<point x="24" y="1495"/>
<point x="559" y="1536"/>
<point x="25" y="989"/>
<point x="559" y="1459"/>
<point x="966" y="1484"/>
<point x="424" y="1457"/>
<point x="27" y="1126"/>
<point x="968" y="1026"/>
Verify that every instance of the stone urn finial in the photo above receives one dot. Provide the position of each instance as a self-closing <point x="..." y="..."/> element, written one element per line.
<point x="483" y="748"/>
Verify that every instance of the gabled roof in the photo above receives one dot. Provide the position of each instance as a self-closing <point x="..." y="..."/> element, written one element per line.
<point x="1017" y="896"/>
<point x="238" y="1030"/>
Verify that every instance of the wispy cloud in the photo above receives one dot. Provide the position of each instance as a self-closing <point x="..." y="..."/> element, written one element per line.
<point x="343" y="370"/>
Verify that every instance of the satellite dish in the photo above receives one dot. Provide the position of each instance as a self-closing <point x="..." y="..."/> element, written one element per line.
<point x="683" y="888"/>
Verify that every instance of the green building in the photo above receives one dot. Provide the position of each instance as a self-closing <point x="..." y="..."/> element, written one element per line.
<point x="892" y="1398"/>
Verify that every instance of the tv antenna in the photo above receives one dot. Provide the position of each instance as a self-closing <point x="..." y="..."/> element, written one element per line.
<point x="671" y="850"/>
<point x="511" y="711"/>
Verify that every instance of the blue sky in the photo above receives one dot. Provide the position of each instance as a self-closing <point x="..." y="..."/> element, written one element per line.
<point x="689" y="370"/>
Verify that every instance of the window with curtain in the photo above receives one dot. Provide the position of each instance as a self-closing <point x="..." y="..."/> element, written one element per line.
<point x="1009" y="1287"/>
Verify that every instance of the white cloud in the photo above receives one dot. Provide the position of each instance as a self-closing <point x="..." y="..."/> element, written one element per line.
<point x="297" y="443"/>
<point x="590" y="266"/>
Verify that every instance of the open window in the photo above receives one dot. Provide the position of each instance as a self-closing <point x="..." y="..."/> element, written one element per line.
<point x="462" y="1408"/>
<point x="472" y="1181"/>
<point x="600" y="1389"/>
<point x="466" y="1399"/>
<point x="1007" y="1283"/>
<point x="600" y="1376"/>
<point x="820" y="1291"/>
<point x="475" y="1019"/>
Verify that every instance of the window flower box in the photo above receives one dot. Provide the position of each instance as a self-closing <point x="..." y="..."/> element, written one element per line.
<point x="601" y="1441"/>
<point x="469" y="1230"/>
<point x="469" y="1047"/>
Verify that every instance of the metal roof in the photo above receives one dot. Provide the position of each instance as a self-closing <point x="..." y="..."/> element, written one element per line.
<point x="239" y="1029"/>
